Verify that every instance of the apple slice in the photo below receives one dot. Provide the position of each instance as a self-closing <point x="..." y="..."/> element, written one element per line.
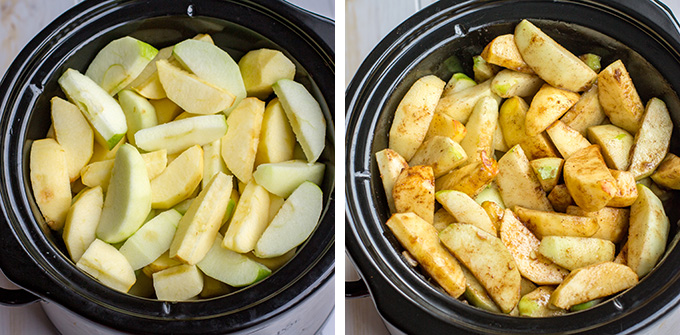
<point x="152" y="240"/>
<point x="119" y="63"/>
<point x="294" y="222"/>
<point x="147" y="83"/>
<point x="166" y="110"/>
<point x="180" y="282"/>
<point x="50" y="182"/>
<point x="81" y="222"/>
<point x="99" y="173"/>
<point x="98" y="107"/>
<point x="231" y="267"/>
<point x="213" y="65"/>
<point x="73" y="133"/>
<point x="239" y="145"/>
<point x="161" y="263"/>
<point x="179" y="179"/>
<point x="212" y="161"/>
<point x="249" y="220"/>
<point x="190" y="92"/>
<point x="139" y="113"/>
<point x="128" y="200"/>
<point x="283" y="178"/>
<point x="106" y="264"/>
<point x="198" y="227"/>
<point x="277" y="140"/>
<point x="262" y="68"/>
<point x="305" y="116"/>
<point x="177" y="136"/>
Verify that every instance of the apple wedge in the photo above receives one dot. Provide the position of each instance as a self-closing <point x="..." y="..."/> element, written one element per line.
<point x="518" y="184"/>
<point x="488" y="259"/>
<point x="81" y="222"/>
<point x="305" y="117"/>
<point x="119" y="63"/>
<point x="192" y="93"/>
<point x="592" y="282"/>
<point x="212" y="64"/>
<point x="652" y="140"/>
<point x="139" y="113"/>
<point x="536" y="304"/>
<point x="198" y="227"/>
<point x="277" y="140"/>
<point x="465" y="209"/>
<point x="419" y="238"/>
<point x="50" y="182"/>
<point x="147" y="83"/>
<point x="543" y="223"/>
<point x="177" y="136"/>
<point x="151" y="240"/>
<point x="440" y="152"/>
<point x="547" y="106"/>
<point x="128" y="200"/>
<point x="213" y="162"/>
<point x="74" y="135"/>
<point x="647" y="233"/>
<point x="284" y="177"/>
<point x="179" y="179"/>
<point x="99" y="108"/>
<point x="572" y="252"/>
<point x="524" y="247"/>
<point x="230" y="267"/>
<point x="414" y="192"/>
<point x="390" y="164"/>
<point x="293" y="223"/>
<point x="551" y="61"/>
<point x="166" y="110"/>
<point x="106" y="264"/>
<point x="99" y="173"/>
<point x="262" y="68"/>
<point x="239" y="145"/>
<point x="181" y="282"/>
<point x="588" y="180"/>
<point x="249" y="220"/>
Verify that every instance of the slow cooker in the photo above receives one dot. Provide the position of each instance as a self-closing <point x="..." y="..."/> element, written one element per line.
<point x="295" y="299"/>
<point x="644" y="34"/>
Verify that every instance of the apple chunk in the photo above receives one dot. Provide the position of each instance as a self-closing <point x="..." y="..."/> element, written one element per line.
<point x="180" y="282"/>
<point x="98" y="107"/>
<point x="119" y="63"/>
<point x="106" y="264"/>
<point x="177" y="136"/>
<point x="178" y="180"/>
<point x="250" y="219"/>
<point x="50" y="182"/>
<point x="277" y="140"/>
<point x="294" y="222"/>
<point x="213" y="65"/>
<point x="193" y="94"/>
<point x="73" y="133"/>
<point x="128" y="200"/>
<point x="198" y="227"/>
<point x="262" y="68"/>
<point x="81" y="222"/>
<point x="152" y="240"/>
<point x="647" y="233"/>
<point x="284" y="177"/>
<point x="231" y="267"/>
<point x="139" y="113"/>
<point x="239" y="145"/>
<point x="305" y="116"/>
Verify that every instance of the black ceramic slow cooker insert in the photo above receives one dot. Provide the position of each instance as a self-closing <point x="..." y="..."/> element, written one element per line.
<point x="294" y="299"/>
<point x="643" y="34"/>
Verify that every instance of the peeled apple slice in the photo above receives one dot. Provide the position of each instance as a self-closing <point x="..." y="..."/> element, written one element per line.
<point x="294" y="222"/>
<point x="128" y="200"/>
<point x="105" y="263"/>
<point x="119" y="63"/>
<point x="231" y="267"/>
<point x="305" y="116"/>
<point x="192" y="93"/>
<point x="152" y="240"/>
<point x="283" y="178"/>
<point x="213" y="65"/>
<point x="98" y="107"/>
<point x="177" y="136"/>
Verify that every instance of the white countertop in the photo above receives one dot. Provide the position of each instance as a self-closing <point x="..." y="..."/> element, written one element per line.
<point x="367" y="22"/>
<point x="20" y="20"/>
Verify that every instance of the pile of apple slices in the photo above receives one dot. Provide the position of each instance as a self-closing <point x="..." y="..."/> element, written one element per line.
<point x="494" y="197"/>
<point x="186" y="182"/>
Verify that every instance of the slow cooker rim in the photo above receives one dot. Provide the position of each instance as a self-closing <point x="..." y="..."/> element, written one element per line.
<point x="85" y="10"/>
<point x="365" y="254"/>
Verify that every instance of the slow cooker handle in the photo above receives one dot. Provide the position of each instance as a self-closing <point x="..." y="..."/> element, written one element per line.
<point x="356" y="289"/>
<point x="16" y="297"/>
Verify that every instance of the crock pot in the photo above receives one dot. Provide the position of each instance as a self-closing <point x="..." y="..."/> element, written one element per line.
<point x="295" y="299"/>
<point x="644" y="34"/>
